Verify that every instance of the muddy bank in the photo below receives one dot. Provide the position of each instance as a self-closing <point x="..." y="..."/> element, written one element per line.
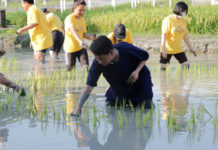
<point x="202" y="44"/>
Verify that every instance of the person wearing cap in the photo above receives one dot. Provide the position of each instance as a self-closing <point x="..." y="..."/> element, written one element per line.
<point x="37" y="25"/>
<point x="56" y="27"/>
<point x="75" y="31"/>
<point x="123" y="66"/>
<point x="174" y="31"/>
<point x="120" y="34"/>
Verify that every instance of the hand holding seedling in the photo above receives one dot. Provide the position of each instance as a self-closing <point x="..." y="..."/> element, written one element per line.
<point x="77" y="112"/>
<point x="194" y="52"/>
<point x="133" y="77"/>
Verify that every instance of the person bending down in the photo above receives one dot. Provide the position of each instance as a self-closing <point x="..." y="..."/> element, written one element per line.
<point x="123" y="66"/>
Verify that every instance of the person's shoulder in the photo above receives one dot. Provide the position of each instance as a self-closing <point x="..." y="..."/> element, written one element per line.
<point x="69" y="17"/>
<point x="110" y="35"/>
<point x="33" y="8"/>
<point x="123" y="46"/>
<point x="168" y="18"/>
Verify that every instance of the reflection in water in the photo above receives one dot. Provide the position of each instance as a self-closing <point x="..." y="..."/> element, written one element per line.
<point x="3" y="137"/>
<point x="175" y="97"/>
<point x="128" y="138"/>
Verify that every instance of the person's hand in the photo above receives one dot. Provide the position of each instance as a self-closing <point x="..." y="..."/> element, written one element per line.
<point x="77" y="112"/>
<point x="164" y="54"/>
<point x="20" y="31"/>
<point x="133" y="77"/>
<point x="94" y="36"/>
<point x="194" y="52"/>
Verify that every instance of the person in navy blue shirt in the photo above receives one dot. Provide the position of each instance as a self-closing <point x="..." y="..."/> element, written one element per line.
<point x="123" y="66"/>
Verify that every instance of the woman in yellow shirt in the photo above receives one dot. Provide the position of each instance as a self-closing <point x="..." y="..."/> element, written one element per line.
<point x="75" y="31"/>
<point x="174" y="31"/>
<point x="120" y="34"/>
<point x="56" y="27"/>
<point x="39" y="32"/>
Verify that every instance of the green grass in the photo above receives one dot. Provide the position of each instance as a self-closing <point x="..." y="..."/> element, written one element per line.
<point x="141" y="21"/>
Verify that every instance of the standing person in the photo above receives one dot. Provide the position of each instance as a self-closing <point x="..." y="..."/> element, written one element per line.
<point x="75" y="31"/>
<point x="174" y="31"/>
<point x="56" y="27"/>
<point x="123" y="66"/>
<point x="39" y="32"/>
<point x="120" y="34"/>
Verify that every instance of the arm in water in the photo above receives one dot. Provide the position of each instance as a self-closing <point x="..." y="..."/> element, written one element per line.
<point x="83" y="97"/>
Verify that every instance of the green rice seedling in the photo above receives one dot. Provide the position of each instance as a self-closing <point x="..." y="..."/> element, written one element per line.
<point x="87" y="111"/>
<point x="53" y="109"/>
<point x="158" y="114"/>
<point x="120" y="119"/>
<point x="9" y="98"/>
<point x="69" y="117"/>
<point x="137" y="117"/>
<point x="131" y="106"/>
<point x="193" y="116"/>
<point x="58" y="116"/>
<point x="145" y="118"/>
<point x="42" y="115"/>
<point x="205" y="110"/>
<point x="64" y="112"/>
<point x="116" y="103"/>
<point x="95" y="119"/>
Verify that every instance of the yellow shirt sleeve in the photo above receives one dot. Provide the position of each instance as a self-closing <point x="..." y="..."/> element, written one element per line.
<point x="33" y="17"/>
<point x="166" y="26"/>
<point x="111" y="37"/>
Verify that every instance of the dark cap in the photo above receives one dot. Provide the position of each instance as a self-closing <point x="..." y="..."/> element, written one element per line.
<point x="44" y="10"/>
<point x="120" y="31"/>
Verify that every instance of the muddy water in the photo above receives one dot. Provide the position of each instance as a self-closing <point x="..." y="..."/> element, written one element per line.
<point x="184" y="116"/>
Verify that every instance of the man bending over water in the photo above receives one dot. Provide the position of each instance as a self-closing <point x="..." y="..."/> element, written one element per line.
<point x="123" y="66"/>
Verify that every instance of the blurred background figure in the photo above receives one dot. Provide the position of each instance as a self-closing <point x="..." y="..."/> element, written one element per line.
<point x="120" y="34"/>
<point x="56" y="27"/>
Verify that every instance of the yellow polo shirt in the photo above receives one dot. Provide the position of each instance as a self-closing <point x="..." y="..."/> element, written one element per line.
<point x="175" y="30"/>
<point x="54" y="22"/>
<point x="40" y="35"/>
<point x="127" y="39"/>
<point x="70" y="43"/>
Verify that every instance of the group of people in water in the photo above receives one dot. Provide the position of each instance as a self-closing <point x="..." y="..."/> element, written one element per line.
<point x="121" y="63"/>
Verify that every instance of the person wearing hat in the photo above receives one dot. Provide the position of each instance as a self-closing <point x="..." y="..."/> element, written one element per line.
<point x="120" y="34"/>
<point x="37" y="25"/>
<point x="174" y="31"/>
<point x="56" y="27"/>
<point x="123" y="66"/>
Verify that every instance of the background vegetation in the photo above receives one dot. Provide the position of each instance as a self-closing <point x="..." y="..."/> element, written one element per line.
<point x="142" y="20"/>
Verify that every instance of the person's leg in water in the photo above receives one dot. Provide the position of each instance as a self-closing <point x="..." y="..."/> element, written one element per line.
<point x="164" y="61"/>
<point x="181" y="57"/>
<point x="83" y="59"/>
<point x="10" y="84"/>
<point x="40" y="55"/>
<point x="58" y="40"/>
<point x="70" y="60"/>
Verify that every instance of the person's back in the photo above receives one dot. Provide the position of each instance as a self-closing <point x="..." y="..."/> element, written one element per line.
<point x="41" y="34"/>
<point x="120" y="34"/>
<point x="54" y="22"/>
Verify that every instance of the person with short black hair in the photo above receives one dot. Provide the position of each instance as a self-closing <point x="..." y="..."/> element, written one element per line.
<point x="174" y="31"/>
<point x="37" y="25"/>
<point x="56" y="27"/>
<point x="75" y="31"/>
<point x="123" y="66"/>
<point x="120" y="34"/>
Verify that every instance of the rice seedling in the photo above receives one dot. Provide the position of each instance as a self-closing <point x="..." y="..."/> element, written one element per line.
<point x="54" y="113"/>
<point x="138" y="118"/>
<point x="120" y="119"/>
<point x="131" y="106"/>
<point x="95" y="119"/>
<point x="158" y="114"/>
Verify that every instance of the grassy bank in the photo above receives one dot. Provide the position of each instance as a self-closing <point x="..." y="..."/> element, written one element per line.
<point x="143" y="20"/>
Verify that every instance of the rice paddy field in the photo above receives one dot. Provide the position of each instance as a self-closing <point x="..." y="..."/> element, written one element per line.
<point x="184" y="115"/>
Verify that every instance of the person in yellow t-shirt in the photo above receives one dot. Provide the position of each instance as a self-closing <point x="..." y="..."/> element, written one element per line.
<point x="75" y="31"/>
<point x="40" y="34"/>
<point x="56" y="27"/>
<point x="174" y="31"/>
<point x="120" y="34"/>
